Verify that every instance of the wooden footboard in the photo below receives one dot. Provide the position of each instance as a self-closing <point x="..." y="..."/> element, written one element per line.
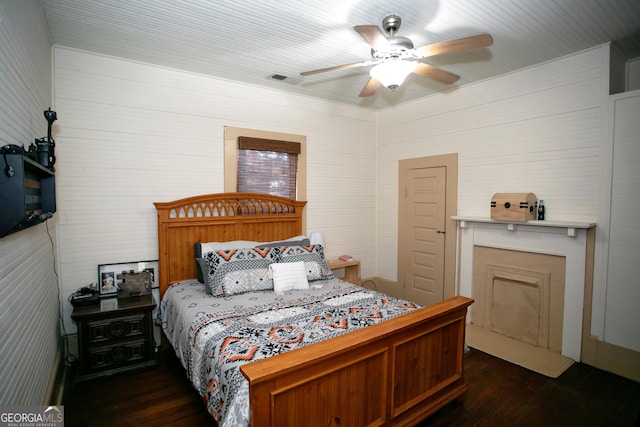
<point x="395" y="373"/>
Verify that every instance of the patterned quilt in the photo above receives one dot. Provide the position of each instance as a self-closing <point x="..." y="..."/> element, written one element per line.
<point x="213" y="336"/>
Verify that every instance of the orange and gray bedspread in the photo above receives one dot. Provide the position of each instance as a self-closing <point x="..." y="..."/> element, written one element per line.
<point x="214" y="336"/>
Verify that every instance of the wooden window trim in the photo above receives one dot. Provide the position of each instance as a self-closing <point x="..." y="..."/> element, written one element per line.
<point x="231" y="135"/>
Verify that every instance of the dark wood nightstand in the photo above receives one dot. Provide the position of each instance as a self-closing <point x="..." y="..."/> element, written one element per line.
<point x="115" y="338"/>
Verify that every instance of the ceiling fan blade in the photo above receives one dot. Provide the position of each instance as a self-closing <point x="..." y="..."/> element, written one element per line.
<point x="337" y="67"/>
<point x="435" y="73"/>
<point x="467" y="43"/>
<point x="374" y="37"/>
<point x="370" y="88"/>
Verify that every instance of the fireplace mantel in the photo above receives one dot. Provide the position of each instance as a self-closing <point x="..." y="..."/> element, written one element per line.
<point x="566" y="239"/>
<point x="571" y="227"/>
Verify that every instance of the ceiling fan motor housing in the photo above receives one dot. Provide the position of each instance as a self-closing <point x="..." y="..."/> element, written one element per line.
<point x="399" y="45"/>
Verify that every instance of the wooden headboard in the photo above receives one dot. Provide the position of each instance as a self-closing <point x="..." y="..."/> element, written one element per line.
<point x="219" y="218"/>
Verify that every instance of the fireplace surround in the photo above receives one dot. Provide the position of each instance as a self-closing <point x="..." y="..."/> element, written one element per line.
<point x="563" y="239"/>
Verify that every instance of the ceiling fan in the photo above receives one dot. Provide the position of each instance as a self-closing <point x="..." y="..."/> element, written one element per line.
<point x="395" y="57"/>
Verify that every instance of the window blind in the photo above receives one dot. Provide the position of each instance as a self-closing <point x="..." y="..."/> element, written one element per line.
<point x="267" y="166"/>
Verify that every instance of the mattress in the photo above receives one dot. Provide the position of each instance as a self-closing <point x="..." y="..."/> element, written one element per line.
<point x="214" y="336"/>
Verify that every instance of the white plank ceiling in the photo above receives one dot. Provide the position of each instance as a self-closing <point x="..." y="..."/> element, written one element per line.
<point x="249" y="41"/>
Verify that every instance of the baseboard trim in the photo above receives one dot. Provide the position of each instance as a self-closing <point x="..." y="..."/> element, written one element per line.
<point x="611" y="358"/>
<point x="55" y="387"/>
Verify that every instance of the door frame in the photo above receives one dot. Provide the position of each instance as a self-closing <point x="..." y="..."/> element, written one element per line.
<point x="450" y="163"/>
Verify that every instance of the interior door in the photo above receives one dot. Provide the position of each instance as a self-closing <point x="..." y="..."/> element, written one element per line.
<point x="424" y="225"/>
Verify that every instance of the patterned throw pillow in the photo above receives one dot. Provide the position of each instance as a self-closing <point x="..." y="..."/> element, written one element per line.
<point x="312" y="256"/>
<point x="235" y="271"/>
<point x="204" y="247"/>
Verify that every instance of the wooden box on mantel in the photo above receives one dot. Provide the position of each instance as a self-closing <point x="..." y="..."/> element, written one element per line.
<point x="514" y="206"/>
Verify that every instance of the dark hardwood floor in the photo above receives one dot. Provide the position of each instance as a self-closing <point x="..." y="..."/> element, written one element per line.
<point x="504" y="394"/>
<point x="160" y="396"/>
<point x="500" y="394"/>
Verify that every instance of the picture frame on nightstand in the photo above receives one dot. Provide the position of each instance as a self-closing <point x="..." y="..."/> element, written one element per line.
<point x="107" y="284"/>
<point x="128" y="278"/>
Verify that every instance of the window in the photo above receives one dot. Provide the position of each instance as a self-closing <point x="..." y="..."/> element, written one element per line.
<point x="267" y="166"/>
<point x="232" y="137"/>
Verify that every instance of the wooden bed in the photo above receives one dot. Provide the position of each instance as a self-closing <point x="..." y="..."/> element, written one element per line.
<point x="397" y="372"/>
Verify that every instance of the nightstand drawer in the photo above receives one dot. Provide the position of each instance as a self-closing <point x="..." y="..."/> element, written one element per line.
<point x="122" y="353"/>
<point x="116" y="328"/>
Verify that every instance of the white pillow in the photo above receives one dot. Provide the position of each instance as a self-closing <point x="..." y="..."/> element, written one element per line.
<point x="288" y="276"/>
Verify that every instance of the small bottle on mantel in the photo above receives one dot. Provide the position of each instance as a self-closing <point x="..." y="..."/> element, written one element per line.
<point x="541" y="210"/>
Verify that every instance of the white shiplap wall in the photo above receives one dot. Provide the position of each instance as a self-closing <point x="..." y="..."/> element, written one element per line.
<point x="544" y="130"/>
<point x="621" y="317"/>
<point x="129" y="134"/>
<point x="28" y="287"/>
<point x="538" y="130"/>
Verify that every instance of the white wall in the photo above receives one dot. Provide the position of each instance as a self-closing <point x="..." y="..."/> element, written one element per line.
<point x="537" y="130"/>
<point x="543" y="130"/>
<point x="129" y="134"/>
<point x="29" y="324"/>
<point x="620" y="318"/>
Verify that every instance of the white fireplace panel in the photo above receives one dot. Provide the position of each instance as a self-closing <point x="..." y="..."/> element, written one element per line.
<point x="563" y="240"/>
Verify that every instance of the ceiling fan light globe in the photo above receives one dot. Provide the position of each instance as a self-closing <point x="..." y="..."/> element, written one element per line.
<point x="392" y="73"/>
